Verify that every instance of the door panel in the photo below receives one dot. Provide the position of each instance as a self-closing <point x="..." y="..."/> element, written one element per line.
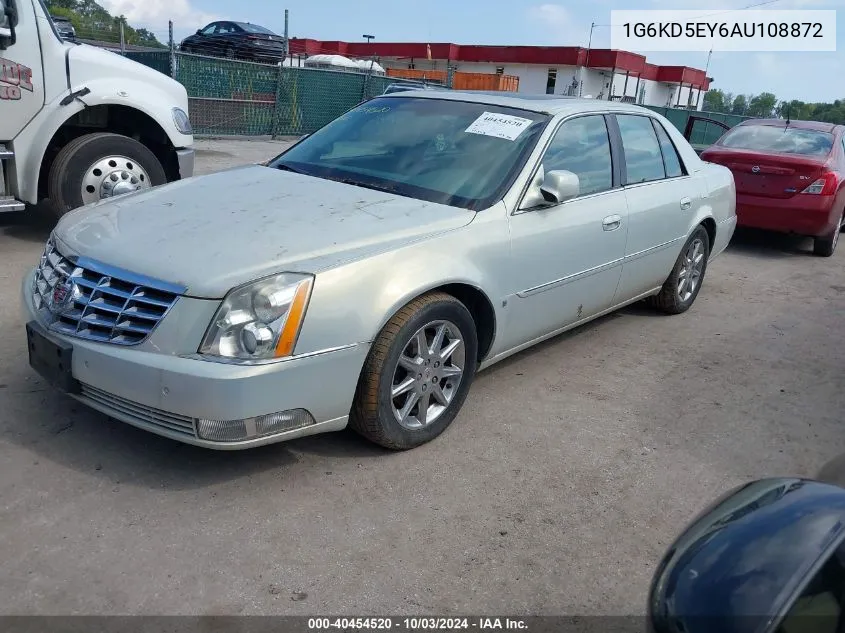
<point x="21" y="77"/>
<point x="567" y="258"/>
<point x="659" y="207"/>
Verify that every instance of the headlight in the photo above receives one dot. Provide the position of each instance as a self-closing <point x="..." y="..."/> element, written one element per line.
<point x="260" y="320"/>
<point x="183" y="123"/>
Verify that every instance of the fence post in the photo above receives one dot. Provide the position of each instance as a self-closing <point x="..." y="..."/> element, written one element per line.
<point x="367" y="78"/>
<point x="172" y="46"/>
<point x="277" y="110"/>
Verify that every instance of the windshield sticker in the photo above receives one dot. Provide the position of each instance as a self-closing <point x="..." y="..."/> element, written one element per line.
<point x="499" y="125"/>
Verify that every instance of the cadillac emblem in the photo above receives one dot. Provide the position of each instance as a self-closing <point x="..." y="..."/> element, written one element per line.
<point x="61" y="296"/>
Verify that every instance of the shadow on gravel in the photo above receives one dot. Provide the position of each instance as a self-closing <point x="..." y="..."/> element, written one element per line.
<point x="32" y="225"/>
<point x="54" y="427"/>
<point x="758" y="243"/>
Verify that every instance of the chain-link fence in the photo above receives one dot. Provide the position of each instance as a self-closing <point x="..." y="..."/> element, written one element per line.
<point x="245" y="98"/>
<point x="233" y="97"/>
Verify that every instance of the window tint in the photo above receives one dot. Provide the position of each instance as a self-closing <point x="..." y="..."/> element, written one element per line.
<point x="671" y="160"/>
<point x="226" y="28"/>
<point x="819" y="607"/>
<point x="643" y="158"/>
<point x="582" y="146"/>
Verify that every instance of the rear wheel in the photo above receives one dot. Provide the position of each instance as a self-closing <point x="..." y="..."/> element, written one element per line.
<point x="824" y="246"/>
<point x="99" y="166"/>
<point x="681" y="288"/>
<point x="417" y="374"/>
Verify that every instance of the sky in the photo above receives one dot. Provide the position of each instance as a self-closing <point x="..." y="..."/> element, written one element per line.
<point x="809" y="77"/>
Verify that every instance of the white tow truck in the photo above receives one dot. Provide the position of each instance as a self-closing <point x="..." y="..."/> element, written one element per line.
<point x="80" y="124"/>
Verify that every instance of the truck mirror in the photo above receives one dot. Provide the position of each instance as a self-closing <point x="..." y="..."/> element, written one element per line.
<point x="8" y="22"/>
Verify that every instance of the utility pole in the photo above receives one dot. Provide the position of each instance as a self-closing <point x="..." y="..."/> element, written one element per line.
<point x="369" y="38"/>
<point x="287" y="46"/>
<point x="586" y="61"/>
<point x="122" y="36"/>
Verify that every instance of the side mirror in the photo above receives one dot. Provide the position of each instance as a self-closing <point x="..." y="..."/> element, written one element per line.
<point x="8" y="22"/>
<point x="199" y="31"/>
<point x="765" y="557"/>
<point x="559" y="186"/>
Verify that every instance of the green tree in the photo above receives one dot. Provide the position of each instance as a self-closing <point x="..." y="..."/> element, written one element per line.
<point x="762" y="106"/>
<point x="714" y="101"/>
<point x="93" y="22"/>
<point x="740" y="105"/>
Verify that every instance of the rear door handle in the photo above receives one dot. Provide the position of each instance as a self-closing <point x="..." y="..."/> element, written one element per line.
<point x="611" y="222"/>
<point x="686" y="203"/>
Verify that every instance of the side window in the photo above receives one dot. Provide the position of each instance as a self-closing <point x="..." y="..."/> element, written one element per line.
<point x="209" y="30"/>
<point x="643" y="158"/>
<point x="225" y="28"/>
<point x="819" y="607"/>
<point x="671" y="160"/>
<point x="582" y="146"/>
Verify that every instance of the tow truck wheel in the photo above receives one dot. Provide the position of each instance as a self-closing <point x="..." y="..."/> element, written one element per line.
<point x="99" y="166"/>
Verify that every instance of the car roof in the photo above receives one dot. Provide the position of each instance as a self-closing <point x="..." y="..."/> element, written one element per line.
<point x="542" y="103"/>
<point x="819" y="126"/>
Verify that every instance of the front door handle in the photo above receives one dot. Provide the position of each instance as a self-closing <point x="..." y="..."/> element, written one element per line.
<point x="686" y="203"/>
<point x="611" y="222"/>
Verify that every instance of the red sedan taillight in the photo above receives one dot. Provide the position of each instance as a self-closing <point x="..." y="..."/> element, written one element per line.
<point x="824" y="186"/>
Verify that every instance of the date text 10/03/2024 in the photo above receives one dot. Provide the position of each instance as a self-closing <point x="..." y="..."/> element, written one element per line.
<point x="416" y="624"/>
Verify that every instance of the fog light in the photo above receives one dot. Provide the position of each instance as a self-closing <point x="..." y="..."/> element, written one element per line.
<point x="222" y="430"/>
<point x="284" y="421"/>
<point x="250" y="428"/>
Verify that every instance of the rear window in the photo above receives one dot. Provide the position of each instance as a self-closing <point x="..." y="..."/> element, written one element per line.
<point x="783" y="140"/>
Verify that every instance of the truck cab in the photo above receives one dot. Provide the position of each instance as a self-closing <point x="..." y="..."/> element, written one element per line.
<point x="79" y="124"/>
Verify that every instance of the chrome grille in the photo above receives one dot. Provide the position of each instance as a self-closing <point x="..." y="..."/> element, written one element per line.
<point x="99" y="302"/>
<point x="141" y="414"/>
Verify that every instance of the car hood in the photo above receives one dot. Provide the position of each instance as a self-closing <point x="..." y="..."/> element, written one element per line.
<point x="212" y="233"/>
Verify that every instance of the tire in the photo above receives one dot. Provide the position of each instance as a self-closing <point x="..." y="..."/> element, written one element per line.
<point x="672" y="298"/>
<point x="824" y="246"/>
<point x="375" y="413"/>
<point x="77" y="159"/>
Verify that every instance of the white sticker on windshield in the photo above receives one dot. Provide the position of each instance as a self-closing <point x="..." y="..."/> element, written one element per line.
<point x="499" y="125"/>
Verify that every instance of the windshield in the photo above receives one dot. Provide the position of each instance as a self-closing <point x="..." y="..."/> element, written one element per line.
<point x="254" y="28"/>
<point x="450" y="152"/>
<point x="783" y="140"/>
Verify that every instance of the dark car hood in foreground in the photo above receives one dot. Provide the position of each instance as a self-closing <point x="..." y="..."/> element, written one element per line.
<point x="737" y="565"/>
<point x="215" y="232"/>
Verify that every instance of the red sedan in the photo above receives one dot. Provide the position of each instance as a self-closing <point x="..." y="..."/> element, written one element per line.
<point x="790" y="177"/>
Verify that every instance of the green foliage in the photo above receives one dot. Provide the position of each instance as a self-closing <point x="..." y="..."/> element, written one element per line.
<point x="740" y="105"/>
<point x="766" y="105"/>
<point x="93" y="22"/>
<point x="762" y="106"/>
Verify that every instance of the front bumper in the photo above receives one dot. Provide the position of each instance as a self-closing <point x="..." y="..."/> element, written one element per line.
<point x="802" y="214"/>
<point x="186" y="159"/>
<point x="166" y="394"/>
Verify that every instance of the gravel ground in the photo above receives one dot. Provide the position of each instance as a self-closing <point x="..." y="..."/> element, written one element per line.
<point x="568" y="472"/>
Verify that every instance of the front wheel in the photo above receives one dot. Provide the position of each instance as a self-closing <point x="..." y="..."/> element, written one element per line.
<point x="681" y="288"/>
<point x="99" y="166"/>
<point x="417" y="374"/>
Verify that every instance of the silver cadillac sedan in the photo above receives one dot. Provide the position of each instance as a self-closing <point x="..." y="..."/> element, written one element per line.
<point x="366" y="274"/>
